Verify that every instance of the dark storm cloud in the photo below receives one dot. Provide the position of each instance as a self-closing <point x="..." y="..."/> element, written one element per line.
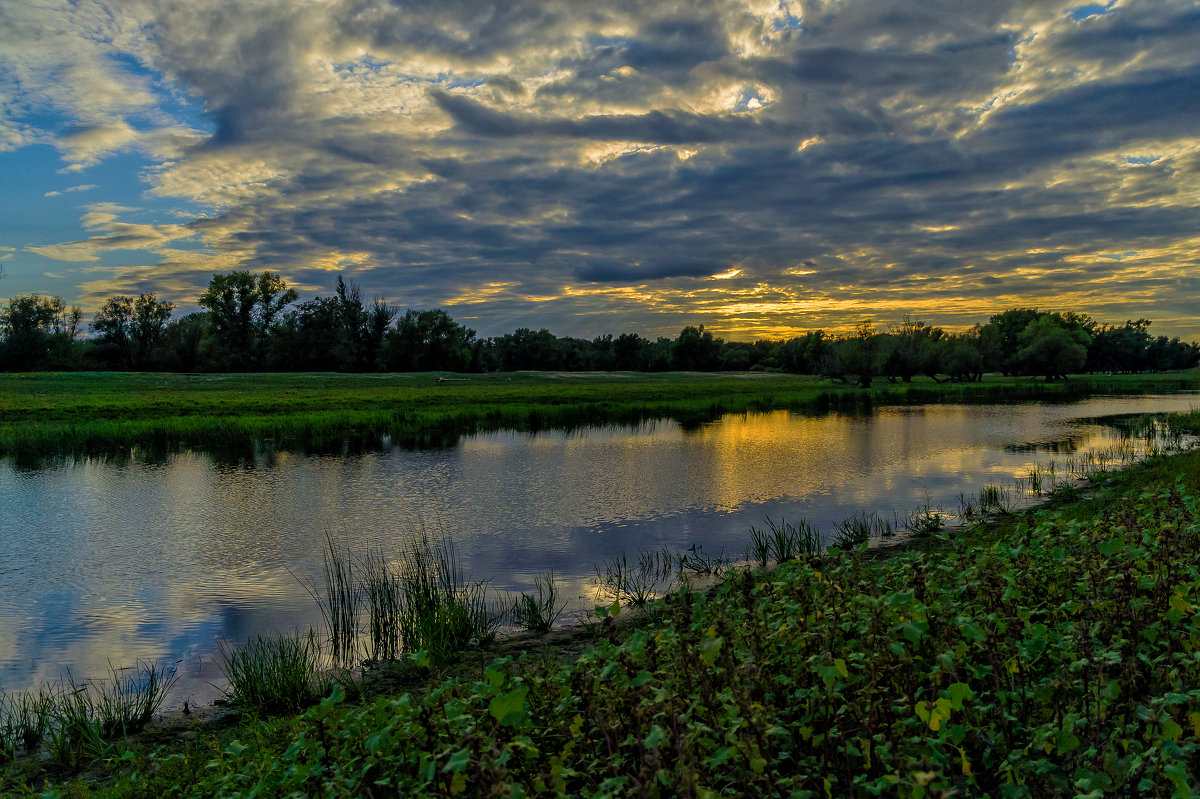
<point x="661" y="127"/>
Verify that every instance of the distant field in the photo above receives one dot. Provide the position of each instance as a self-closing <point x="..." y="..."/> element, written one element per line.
<point x="46" y="414"/>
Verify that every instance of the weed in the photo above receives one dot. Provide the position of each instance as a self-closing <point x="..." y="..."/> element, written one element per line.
<point x="537" y="612"/>
<point x="782" y="541"/>
<point x="276" y="673"/>
<point x="639" y="582"/>
<point x="858" y="529"/>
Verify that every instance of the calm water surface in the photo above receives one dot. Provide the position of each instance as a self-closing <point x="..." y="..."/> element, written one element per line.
<point x="110" y="563"/>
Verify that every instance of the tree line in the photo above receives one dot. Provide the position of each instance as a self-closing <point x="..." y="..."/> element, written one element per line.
<point x="254" y="322"/>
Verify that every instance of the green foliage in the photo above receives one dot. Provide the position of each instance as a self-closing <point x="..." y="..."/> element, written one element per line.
<point x="154" y="414"/>
<point x="276" y="673"/>
<point x="1053" y="347"/>
<point x="782" y="541"/>
<point x="538" y="611"/>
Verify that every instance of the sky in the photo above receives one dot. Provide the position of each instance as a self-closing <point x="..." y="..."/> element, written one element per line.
<point x="758" y="167"/>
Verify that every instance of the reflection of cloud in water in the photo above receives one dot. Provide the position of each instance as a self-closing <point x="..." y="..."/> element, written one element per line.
<point x="119" y="563"/>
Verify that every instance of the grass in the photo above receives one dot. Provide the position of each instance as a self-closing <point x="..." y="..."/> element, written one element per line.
<point x="538" y="611"/>
<point x="276" y="673"/>
<point x="636" y="583"/>
<point x="151" y="415"/>
<point x="78" y="722"/>
<point x="782" y="541"/>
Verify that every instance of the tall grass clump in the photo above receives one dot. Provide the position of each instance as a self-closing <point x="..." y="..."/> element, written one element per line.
<point x="24" y="721"/>
<point x="636" y="582"/>
<point x="340" y="602"/>
<point x="856" y="530"/>
<point x="995" y="499"/>
<point x="79" y="720"/>
<point x="538" y="611"/>
<point x="782" y="541"/>
<point x="384" y="589"/>
<point x="276" y="673"/>
<point x="442" y="612"/>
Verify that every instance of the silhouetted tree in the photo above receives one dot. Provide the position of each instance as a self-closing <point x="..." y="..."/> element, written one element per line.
<point x="696" y="350"/>
<point x="129" y="331"/>
<point x="998" y="339"/>
<point x="423" y="341"/>
<point x="39" y="332"/>
<point x="242" y="310"/>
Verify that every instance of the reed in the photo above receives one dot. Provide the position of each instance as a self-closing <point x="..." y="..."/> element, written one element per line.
<point x="538" y="611"/>
<point x="995" y="499"/>
<point x="442" y="612"/>
<point x="384" y="590"/>
<point x="782" y="541"/>
<point x="340" y="602"/>
<point x="638" y="582"/>
<point x="695" y="560"/>
<point x="856" y="530"/>
<point x="276" y="673"/>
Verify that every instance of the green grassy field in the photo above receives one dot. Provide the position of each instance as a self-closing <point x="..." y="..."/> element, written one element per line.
<point x="148" y="415"/>
<point x="1050" y="653"/>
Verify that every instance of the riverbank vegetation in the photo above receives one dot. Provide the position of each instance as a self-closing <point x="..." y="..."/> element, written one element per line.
<point x="253" y="323"/>
<point x="1052" y="652"/>
<point x="236" y="416"/>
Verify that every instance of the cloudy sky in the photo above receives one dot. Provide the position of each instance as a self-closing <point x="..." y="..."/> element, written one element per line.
<point x="760" y="167"/>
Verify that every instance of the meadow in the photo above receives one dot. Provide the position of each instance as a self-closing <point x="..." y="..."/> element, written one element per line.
<point x="148" y="415"/>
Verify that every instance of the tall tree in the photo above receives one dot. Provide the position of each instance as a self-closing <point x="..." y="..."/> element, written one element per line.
<point x="1052" y="346"/>
<point x="242" y="310"/>
<point x="129" y="331"/>
<point x="428" y="340"/>
<point x="39" y="332"/>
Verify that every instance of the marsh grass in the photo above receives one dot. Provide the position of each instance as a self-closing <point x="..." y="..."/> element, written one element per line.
<point x="340" y="602"/>
<point x="384" y="590"/>
<point x="442" y="612"/>
<point x="858" y="529"/>
<point x="276" y="673"/>
<point x="537" y="612"/>
<point x="694" y="560"/>
<point x="25" y="719"/>
<point x="782" y="541"/>
<point x="114" y="414"/>
<point x="995" y="499"/>
<point x="78" y="721"/>
<point x="637" y="582"/>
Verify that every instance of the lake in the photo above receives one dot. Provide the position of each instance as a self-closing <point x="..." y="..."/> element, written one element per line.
<point x="110" y="563"/>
